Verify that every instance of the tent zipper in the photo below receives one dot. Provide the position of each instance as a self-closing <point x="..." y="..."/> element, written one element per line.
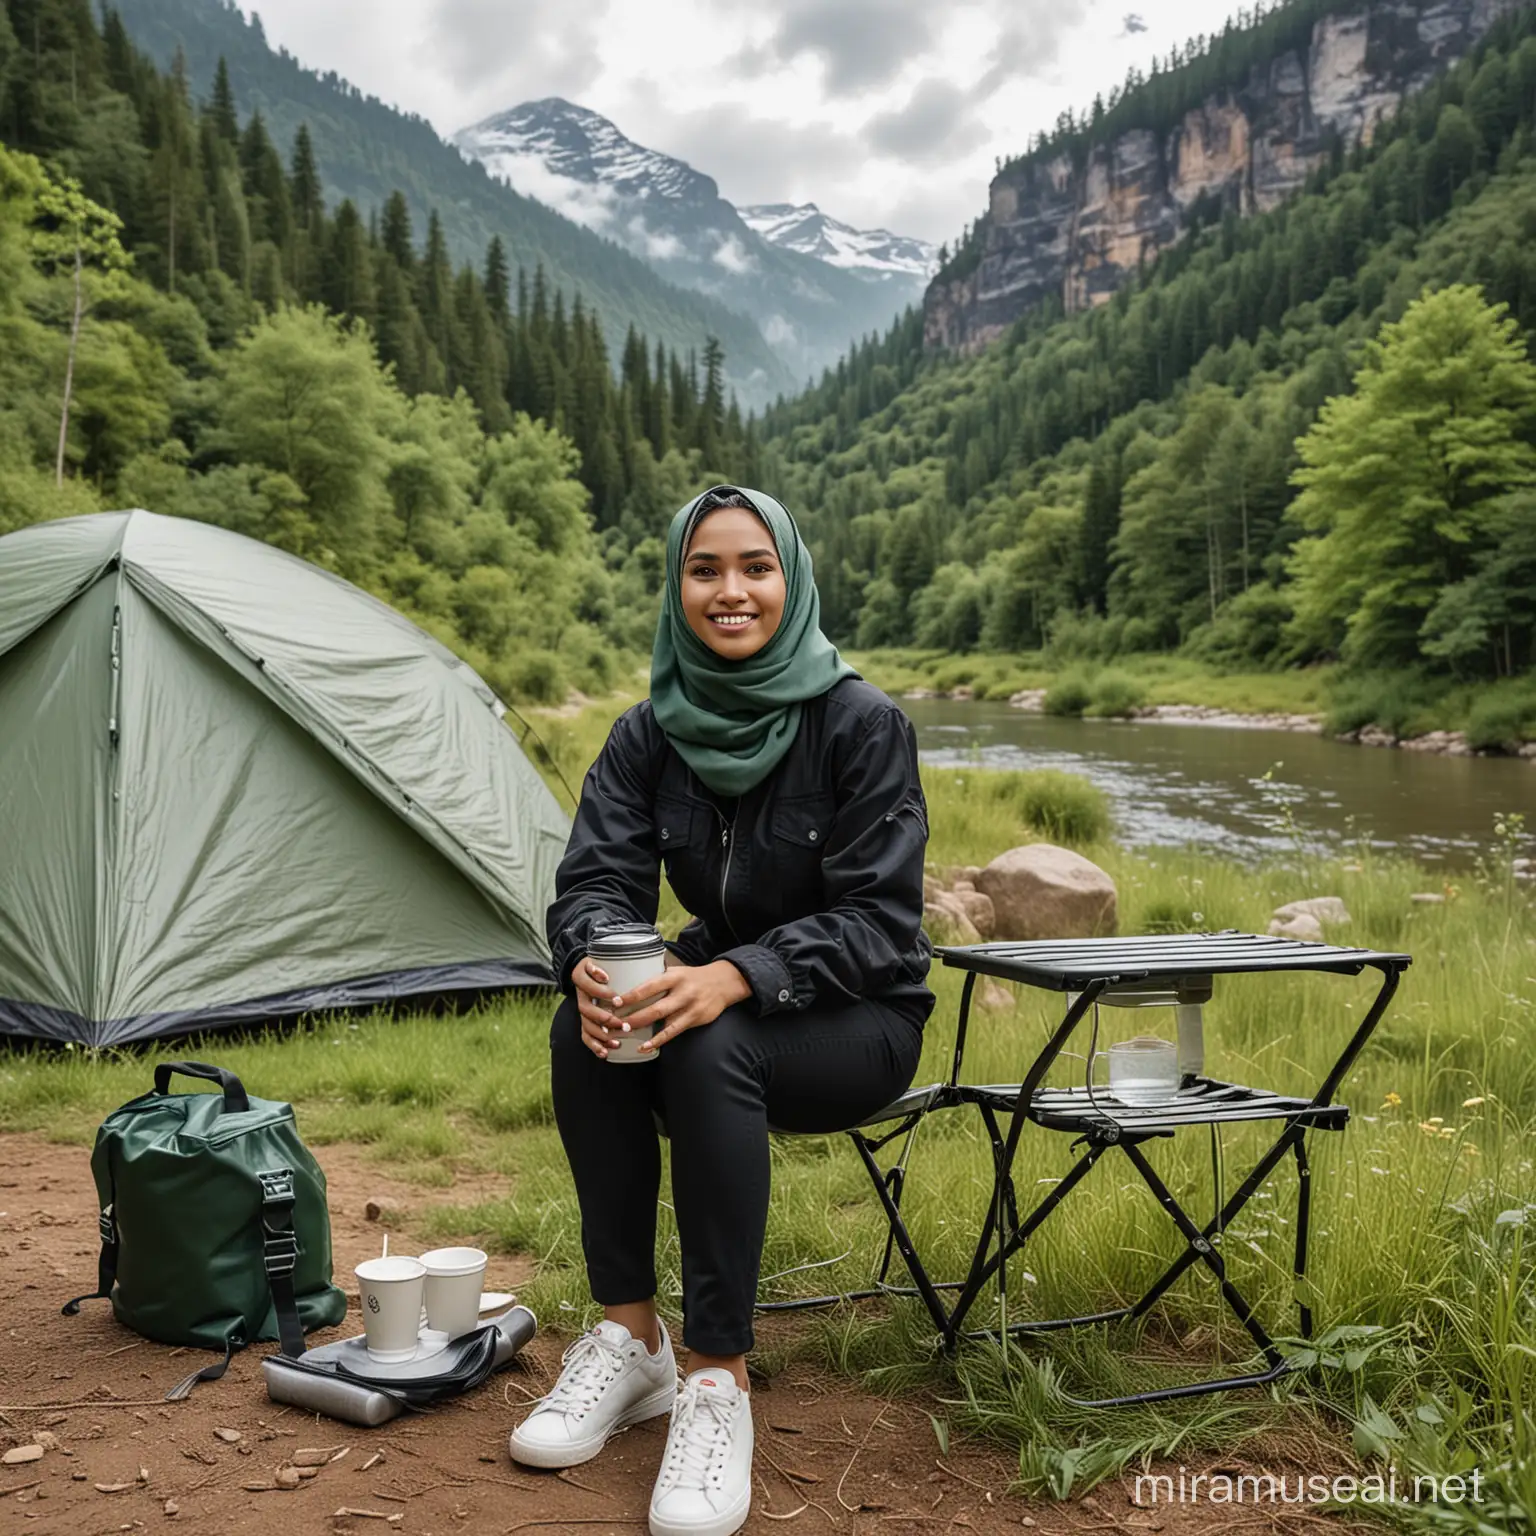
<point x="117" y="673"/>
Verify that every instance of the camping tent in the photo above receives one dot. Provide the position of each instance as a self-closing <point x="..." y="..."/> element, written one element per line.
<point x="234" y="787"/>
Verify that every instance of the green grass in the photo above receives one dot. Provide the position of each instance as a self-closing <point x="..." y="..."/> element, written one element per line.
<point x="1424" y="1208"/>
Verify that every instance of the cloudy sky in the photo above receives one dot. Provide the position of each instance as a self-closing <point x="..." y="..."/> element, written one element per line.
<point x="884" y="112"/>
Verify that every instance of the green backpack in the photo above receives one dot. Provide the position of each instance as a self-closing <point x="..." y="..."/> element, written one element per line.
<point x="214" y="1227"/>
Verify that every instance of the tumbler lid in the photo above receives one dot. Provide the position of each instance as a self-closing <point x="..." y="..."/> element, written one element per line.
<point x="624" y="942"/>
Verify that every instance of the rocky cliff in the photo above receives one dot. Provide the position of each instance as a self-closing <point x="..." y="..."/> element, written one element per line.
<point x="1077" y="227"/>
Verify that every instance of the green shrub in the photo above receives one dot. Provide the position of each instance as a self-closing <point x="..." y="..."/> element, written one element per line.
<point x="1500" y="722"/>
<point x="1062" y="806"/>
<point x="536" y="677"/>
<point x="1248" y="630"/>
<point x="1116" y="695"/>
<point x="1070" y="694"/>
<point x="1401" y="702"/>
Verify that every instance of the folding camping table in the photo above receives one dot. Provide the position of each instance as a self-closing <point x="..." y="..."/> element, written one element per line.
<point x="1091" y="971"/>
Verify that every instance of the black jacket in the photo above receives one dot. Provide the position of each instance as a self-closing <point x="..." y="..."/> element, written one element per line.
<point x="811" y="884"/>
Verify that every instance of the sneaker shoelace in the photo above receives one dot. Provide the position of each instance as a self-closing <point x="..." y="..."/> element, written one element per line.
<point x="698" y="1440"/>
<point x="587" y="1367"/>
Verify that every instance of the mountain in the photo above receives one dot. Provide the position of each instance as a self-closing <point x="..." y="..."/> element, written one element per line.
<point x="1124" y="478"/>
<point x="874" y="254"/>
<point x="366" y="149"/>
<point x="809" y="308"/>
<point x="1237" y="127"/>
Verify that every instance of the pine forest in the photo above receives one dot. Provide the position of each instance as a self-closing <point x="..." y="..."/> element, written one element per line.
<point x="185" y="326"/>
<point x="1303" y="436"/>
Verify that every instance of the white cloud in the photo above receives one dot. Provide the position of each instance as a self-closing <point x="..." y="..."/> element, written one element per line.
<point x="778" y="332"/>
<point x="883" y="112"/>
<point x="581" y="202"/>
<point x="734" y="257"/>
<point x="660" y="246"/>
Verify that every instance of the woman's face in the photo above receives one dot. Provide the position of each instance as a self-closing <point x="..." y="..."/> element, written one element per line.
<point x="733" y="583"/>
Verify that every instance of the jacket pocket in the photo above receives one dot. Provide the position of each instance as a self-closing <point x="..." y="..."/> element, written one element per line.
<point x="804" y="820"/>
<point x="675" y="821"/>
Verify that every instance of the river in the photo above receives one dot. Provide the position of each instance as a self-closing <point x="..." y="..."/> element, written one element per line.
<point x="1175" y="784"/>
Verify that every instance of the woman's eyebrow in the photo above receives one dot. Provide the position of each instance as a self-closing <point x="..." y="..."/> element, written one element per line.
<point x="751" y="554"/>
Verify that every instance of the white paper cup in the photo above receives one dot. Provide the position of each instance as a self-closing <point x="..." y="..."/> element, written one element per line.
<point x="391" y="1291"/>
<point x="628" y="956"/>
<point x="453" y="1289"/>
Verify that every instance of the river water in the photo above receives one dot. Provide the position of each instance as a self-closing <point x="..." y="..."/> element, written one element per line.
<point x="1175" y="784"/>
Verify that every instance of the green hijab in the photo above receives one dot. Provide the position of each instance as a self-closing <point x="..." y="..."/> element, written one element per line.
<point x="733" y="721"/>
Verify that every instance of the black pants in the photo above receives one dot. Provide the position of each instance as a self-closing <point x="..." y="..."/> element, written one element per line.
<point x="718" y="1089"/>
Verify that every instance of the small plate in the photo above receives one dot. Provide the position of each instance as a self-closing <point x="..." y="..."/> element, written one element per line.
<point x="353" y="1354"/>
<point x="495" y="1301"/>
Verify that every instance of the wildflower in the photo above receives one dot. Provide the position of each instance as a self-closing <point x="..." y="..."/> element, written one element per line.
<point x="1449" y="1132"/>
<point x="1436" y="1120"/>
<point x="1472" y="1103"/>
<point x="1470" y="1148"/>
<point x="1391" y="1101"/>
<point x="1429" y="1128"/>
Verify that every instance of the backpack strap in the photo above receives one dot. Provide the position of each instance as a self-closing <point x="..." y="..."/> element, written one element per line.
<point x="208" y="1372"/>
<point x="279" y="1254"/>
<point x="106" y="1262"/>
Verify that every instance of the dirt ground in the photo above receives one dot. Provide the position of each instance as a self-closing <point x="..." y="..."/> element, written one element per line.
<point x="118" y="1458"/>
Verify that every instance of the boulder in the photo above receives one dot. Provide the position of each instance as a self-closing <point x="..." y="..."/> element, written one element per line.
<point x="1041" y="891"/>
<point x="932" y="887"/>
<point x="1301" y="926"/>
<point x="946" y="922"/>
<point x="1326" y="909"/>
<point x="956" y="874"/>
<point x="993" y="997"/>
<point x="976" y="907"/>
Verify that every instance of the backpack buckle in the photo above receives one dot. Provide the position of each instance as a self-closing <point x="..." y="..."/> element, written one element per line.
<point x="106" y="1226"/>
<point x="279" y="1250"/>
<point x="279" y="1244"/>
<point x="276" y="1186"/>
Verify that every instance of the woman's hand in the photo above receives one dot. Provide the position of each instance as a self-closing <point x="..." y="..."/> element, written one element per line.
<point x="685" y="997"/>
<point x="600" y="1028"/>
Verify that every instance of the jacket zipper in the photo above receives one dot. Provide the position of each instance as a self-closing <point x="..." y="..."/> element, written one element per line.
<point x="728" y="842"/>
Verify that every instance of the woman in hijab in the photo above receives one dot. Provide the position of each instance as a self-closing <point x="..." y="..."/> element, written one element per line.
<point x="781" y="793"/>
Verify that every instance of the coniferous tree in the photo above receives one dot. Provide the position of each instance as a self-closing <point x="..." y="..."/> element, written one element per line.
<point x="497" y="282"/>
<point x="346" y="273"/>
<point x="221" y="107"/>
<point x="395" y="233"/>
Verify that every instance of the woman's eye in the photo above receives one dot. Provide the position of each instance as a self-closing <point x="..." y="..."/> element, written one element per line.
<point x="701" y="570"/>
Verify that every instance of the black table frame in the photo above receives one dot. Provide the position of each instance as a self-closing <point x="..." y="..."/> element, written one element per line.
<point x="1089" y="968"/>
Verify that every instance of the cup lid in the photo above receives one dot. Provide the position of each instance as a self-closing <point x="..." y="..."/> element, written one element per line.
<point x="395" y="1267"/>
<point x="447" y="1262"/>
<point x="616" y="943"/>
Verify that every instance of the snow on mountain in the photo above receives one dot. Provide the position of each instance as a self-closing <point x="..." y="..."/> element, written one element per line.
<point x="805" y="228"/>
<point x="813" y="285"/>
<point x="578" y="162"/>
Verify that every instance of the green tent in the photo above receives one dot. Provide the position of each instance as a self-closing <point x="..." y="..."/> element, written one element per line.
<point x="234" y="787"/>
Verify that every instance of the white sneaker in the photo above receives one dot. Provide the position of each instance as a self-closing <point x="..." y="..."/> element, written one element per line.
<point x="705" y="1484"/>
<point x="608" y="1381"/>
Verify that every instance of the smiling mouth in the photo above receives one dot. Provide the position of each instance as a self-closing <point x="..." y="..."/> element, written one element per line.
<point x="731" y="620"/>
